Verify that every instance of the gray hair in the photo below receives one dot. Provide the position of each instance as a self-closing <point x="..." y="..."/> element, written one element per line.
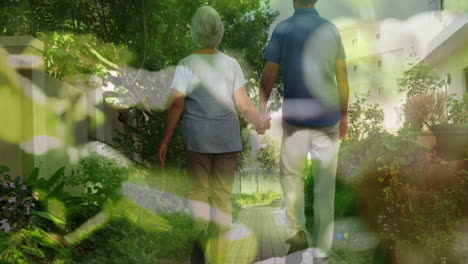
<point x="207" y="29"/>
<point x="305" y="2"/>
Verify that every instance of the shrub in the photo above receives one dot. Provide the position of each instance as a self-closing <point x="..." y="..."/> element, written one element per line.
<point x="16" y="202"/>
<point x="458" y="109"/>
<point x="345" y="199"/>
<point x="25" y="232"/>
<point x="121" y="241"/>
<point x="365" y="118"/>
<point x="424" y="110"/>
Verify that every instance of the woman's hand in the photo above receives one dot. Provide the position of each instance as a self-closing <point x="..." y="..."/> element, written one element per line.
<point x="162" y="151"/>
<point x="263" y="123"/>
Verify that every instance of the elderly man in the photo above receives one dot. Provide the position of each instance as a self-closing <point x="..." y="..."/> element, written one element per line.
<point x="312" y="58"/>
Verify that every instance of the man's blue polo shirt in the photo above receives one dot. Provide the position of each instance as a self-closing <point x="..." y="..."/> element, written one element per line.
<point x="307" y="47"/>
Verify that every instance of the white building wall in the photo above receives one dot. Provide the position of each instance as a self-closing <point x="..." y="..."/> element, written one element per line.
<point x="454" y="65"/>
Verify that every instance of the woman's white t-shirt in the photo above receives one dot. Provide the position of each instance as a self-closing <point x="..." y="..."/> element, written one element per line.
<point x="210" y="123"/>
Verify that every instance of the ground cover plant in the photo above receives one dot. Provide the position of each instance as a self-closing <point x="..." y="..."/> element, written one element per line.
<point x="82" y="216"/>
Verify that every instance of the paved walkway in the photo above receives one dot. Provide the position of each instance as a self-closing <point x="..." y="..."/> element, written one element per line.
<point x="259" y="237"/>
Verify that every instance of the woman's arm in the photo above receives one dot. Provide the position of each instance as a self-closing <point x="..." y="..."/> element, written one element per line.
<point x="173" y="115"/>
<point x="247" y="108"/>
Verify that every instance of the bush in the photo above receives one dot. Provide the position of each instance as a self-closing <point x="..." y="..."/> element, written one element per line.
<point x="16" y="202"/>
<point x="121" y="241"/>
<point x="344" y="197"/>
<point x="26" y="234"/>
<point x="256" y="198"/>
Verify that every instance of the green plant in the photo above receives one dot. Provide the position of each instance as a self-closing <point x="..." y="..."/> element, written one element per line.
<point x="256" y="198"/>
<point x="121" y="241"/>
<point x="143" y="131"/>
<point x="100" y="178"/>
<point x="424" y="110"/>
<point x="392" y="172"/>
<point x="25" y="228"/>
<point x="365" y="119"/>
<point x="420" y="78"/>
<point x="16" y="202"/>
<point x="424" y="105"/>
<point x="458" y="109"/>
<point x="345" y="197"/>
<point x="268" y="154"/>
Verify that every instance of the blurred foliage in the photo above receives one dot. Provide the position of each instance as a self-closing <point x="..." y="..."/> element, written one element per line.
<point x="100" y="179"/>
<point x="27" y="234"/>
<point x="103" y="36"/>
<point x="364" y="118"/>
<point x="253" y="199"/>
<point x="420" y="78"/>
<point x="458" y="109"/>
<point x="345" y="196"/>
<point x="121" y="241"/>
<point x="424" y="218"/>
<point x="268" y="154"/>
<point x="422" y="111"/>
<point x="70" y="202"/>
<point x="425" y="105"/>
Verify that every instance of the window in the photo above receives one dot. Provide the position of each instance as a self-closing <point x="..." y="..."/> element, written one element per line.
<point x="465" y="71"/>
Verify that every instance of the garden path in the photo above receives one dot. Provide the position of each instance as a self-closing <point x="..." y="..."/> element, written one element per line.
<point x="259" y="235"/>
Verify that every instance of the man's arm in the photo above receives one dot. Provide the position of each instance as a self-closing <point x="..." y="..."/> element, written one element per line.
<point x="173" y="115"/>
<point x="270" y="71"/>
<point x="343" y="88"/>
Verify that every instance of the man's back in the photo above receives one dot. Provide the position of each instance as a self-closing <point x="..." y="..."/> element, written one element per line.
<point x="307" y="47"/>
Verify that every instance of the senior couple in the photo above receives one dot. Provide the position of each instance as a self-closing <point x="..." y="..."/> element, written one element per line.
<point x="209" y="86"/>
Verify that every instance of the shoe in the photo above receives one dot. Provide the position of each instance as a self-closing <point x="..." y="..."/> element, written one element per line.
<point x="198" y="252"/>
<point x="325" y="260"/>
<point x="198" y="255"/>
<point x="298" y="242"/>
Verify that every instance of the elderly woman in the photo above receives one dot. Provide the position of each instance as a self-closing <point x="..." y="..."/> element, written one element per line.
<point x="208" y="86"/>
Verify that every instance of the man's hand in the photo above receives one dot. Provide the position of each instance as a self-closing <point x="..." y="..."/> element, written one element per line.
<point x="162" y="151"/>
<point x="263" y="123"/>
<point x="343" y="126"/>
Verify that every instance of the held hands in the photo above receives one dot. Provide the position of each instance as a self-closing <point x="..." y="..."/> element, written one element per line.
<point x="263" y="123"/>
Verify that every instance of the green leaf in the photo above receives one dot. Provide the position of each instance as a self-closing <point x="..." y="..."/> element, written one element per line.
<point x="33" y="177"/>
<point x="42" y="237"/>
<point x="33" y="251"/>
<point x="59" y="173"/>
<point x="57" y="190"/>
<point x="17" y="180"/>
<point x="48" y="216"/>
<point x="4" y="169"/>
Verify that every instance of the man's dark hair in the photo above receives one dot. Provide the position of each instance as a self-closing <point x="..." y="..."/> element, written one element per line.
<point x="305" y="2"/>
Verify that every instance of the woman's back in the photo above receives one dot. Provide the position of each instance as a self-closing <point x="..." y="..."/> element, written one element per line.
<point x="208" y="81"/>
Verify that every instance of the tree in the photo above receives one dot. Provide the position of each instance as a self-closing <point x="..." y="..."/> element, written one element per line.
<point x="111" y="37"/>
<point x="268" y="154"/>
<point x="424" y="105"/>
<point x="365" y="119"/>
